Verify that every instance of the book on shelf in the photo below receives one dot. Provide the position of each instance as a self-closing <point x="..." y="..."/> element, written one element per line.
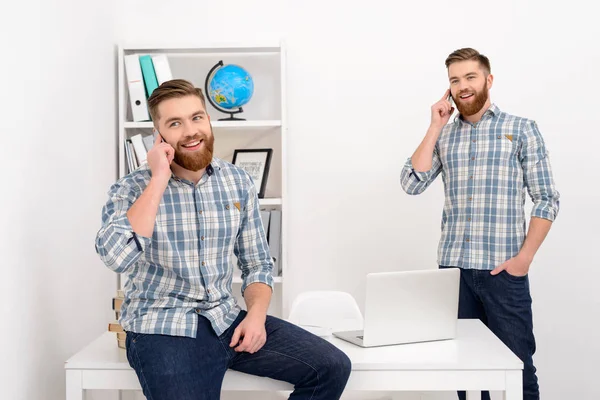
<point x="136" y="150"/>
<point x="271" y="220"/>
<point x="162" y="69"/>
<point x="130" y="154"/>
<point x="140" y="148"/>
<point x="137" y="92"/>
<point x="274" y="239"/>
<point x="150" y="81"/>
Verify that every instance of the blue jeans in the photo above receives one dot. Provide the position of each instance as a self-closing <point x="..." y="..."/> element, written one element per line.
<point x="182" y="368"/>
<point x="503" y="303"/>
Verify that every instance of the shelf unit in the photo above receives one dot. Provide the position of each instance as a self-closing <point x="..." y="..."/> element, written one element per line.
<point x="264" y="127"/>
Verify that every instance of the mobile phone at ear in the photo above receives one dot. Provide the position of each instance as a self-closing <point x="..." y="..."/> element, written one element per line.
<point x="451" y="100"/>
<point x="156" y="133"/>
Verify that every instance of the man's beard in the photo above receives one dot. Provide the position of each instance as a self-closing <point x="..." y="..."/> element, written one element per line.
<point x="198" y="160"/>
<point x="474" y="106"/>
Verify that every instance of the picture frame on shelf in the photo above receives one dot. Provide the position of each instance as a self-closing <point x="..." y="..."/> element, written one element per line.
<point x="257" y="163"/>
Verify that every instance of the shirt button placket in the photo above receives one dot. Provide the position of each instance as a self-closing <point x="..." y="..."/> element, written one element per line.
<point x="201" y="225"/>
<point x="470" y="184"/>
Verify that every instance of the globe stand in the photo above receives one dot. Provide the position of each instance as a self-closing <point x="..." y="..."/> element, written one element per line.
<point x="231" y="117"/>
<point x="212" y="103"/>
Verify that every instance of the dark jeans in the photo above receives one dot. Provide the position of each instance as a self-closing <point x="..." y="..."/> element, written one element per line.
<point x="503" y="303"/>
<point x="181" y="368"/>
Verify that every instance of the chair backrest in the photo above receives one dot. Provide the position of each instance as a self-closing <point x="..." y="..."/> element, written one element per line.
<point x="333" y="310"/>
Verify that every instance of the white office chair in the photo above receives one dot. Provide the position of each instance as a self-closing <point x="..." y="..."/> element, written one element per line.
<point x="331" y="311"/>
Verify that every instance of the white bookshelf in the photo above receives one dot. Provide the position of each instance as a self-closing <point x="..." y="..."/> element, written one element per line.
<point x="264" y="127"/>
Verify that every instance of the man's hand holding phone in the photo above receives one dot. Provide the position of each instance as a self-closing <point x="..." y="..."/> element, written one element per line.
<point x="442" y="111"/>
<point x="422" y="158"/>
<point x="160" y="158"/>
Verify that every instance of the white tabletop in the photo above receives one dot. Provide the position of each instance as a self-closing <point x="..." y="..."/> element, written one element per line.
<point x="475" y="348"/>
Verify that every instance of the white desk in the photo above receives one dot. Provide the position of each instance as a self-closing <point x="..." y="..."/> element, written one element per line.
<point x="476" y="360"/>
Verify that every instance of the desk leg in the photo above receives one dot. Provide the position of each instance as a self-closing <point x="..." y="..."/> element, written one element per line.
<point x="74" y="385"/>
<point x="473" y="395"/>
<point x="514" y="385"/>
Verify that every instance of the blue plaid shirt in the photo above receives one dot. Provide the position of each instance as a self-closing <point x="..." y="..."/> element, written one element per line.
<point x="185" y="268"/>
<point x="485" y="168"/>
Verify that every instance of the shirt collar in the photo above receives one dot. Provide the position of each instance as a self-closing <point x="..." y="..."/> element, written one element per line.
<point x="492" y="111"/>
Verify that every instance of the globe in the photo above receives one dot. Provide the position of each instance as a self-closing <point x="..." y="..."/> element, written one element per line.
<point x="229" y="87"/>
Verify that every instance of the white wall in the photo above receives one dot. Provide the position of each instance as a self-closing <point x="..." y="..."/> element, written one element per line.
<point x="375" y="71"/>
<point x="58" y="157"/>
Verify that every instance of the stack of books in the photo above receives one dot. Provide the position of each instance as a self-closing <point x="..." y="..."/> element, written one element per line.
<point x="114" y="326"/>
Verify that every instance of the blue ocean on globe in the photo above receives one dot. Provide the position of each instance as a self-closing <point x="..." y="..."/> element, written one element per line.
<point x="231" y="87"/>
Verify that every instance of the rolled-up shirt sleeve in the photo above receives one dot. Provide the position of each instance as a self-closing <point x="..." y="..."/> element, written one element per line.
<point x="117" y="244"/>
<point x="251" y="248"/>
<point x="415" y="182"/>
<point x="537" y="174"/>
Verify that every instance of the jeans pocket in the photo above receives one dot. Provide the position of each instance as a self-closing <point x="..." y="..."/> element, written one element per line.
<point x="514" y="277"/>
<point x="135" y="337"/>
<point x="228" y="334"/>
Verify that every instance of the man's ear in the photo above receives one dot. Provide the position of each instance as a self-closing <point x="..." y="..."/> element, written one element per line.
<point x="490" y="81"/>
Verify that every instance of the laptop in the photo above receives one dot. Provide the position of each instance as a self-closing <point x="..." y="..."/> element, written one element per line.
<point x="408" y="307"/>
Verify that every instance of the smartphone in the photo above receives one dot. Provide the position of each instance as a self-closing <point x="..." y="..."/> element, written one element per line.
<point x="451" y="100"/>
<point x="156" y="133"/>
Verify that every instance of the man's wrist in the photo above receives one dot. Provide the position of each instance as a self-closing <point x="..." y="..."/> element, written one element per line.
<point x="159" y="183"/>
<point x="434" y="131"/>
<point x="157" y="187"/>
<point x="255" y="313"/>
<point x="525" y="256"/>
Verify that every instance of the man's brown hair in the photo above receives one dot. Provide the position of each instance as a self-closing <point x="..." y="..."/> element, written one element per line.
<point x="172" y="89"/>
<point x="466" y="54"/>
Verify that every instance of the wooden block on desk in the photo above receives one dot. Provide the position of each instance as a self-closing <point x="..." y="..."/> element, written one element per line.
<point x="117" y="302"/>
<point x="115" y="327"/>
